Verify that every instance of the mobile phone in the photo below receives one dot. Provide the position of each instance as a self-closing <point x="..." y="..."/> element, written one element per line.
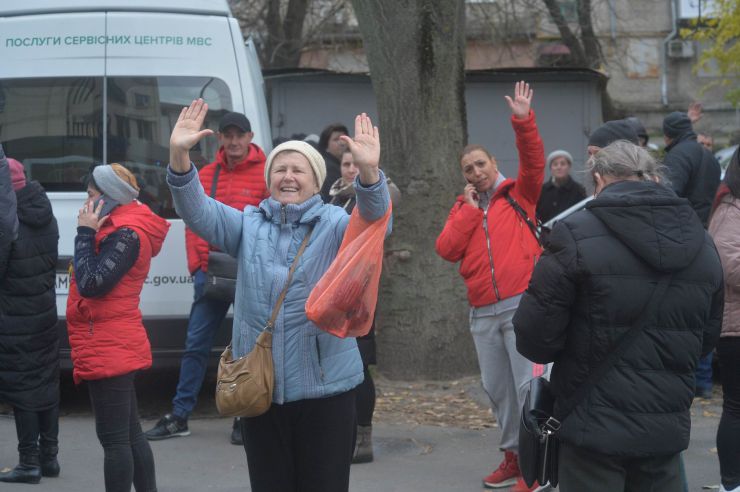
<point x="108" y="205"/>
<point x="475" y="192"/>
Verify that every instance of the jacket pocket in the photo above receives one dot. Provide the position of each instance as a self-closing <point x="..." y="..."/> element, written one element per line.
<point x="315" y="348"/>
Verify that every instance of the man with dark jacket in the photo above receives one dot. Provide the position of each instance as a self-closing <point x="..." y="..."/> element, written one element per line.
<point x="235" y="178"/>
<point x="588" y="290"/>
<point x="693" y="171"/>
<point x="29" y="343"/>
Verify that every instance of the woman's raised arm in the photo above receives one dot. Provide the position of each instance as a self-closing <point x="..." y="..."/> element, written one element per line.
<point x="186" y="134"/>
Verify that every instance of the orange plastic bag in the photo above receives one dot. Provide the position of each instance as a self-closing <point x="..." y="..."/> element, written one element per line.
<point x="344" y="299"/>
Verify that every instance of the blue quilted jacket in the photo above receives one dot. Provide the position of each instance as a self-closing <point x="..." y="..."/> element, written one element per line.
<point x="309" y="363"/>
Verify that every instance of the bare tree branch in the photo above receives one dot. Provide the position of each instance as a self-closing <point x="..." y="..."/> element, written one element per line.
<point x="571" y="41"/>
<point x="591" y="46"/>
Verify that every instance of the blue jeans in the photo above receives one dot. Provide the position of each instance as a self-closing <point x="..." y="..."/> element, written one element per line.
<point x="206" y="316"/>
<point x="704" y="373"/>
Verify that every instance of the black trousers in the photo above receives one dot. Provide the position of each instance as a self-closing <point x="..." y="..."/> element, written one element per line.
<point x="36" y="428"/>
<point x="302" y="446"/>
<point x="128" y="457"/>
<point x="583" y="470"/>
<point x="728" y="433"/>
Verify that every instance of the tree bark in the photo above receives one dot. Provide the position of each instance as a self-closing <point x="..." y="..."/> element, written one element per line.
<point x="415" y="50"/>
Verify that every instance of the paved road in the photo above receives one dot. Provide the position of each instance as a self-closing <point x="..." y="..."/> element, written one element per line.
<point x="408" y="458"/>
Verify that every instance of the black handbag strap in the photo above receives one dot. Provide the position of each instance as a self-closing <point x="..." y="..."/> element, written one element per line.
<point x="534" y="228"/>
<point x="647" y="314"/>
<point x="214" y="183"/>
<point x="271" y="323"/>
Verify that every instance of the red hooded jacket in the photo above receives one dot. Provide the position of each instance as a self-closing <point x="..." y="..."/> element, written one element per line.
<point x="106" y="334"/>
<point x="244" y="185"/>
<point x="505" y="272"/>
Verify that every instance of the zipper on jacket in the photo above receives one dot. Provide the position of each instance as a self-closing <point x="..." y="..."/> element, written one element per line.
<point x="283" y="215"/>
<point x="90" y="328"/>
<point x="318" y="353"/>
<point x="490" y="254"/>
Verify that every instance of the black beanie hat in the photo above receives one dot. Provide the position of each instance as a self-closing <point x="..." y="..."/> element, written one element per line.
<point x="676" y="124"/>
<point x="611" y="131"/>
<point x="638" y="127"/>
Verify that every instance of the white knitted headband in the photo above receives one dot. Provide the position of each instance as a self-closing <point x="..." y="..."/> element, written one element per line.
<point x="311" y="154"/>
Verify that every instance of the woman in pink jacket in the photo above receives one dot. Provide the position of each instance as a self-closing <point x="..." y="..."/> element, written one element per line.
<point x="725" y="229"/>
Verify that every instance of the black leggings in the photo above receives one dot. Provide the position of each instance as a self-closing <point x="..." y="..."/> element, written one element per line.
<point x="728" y="433"/>
<point x="366" y="399"/>
<point x="128" y="457"/>
<point x="34" y="428"/>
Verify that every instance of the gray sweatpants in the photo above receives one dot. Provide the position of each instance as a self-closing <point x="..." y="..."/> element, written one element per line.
<point x="505" y="373"/>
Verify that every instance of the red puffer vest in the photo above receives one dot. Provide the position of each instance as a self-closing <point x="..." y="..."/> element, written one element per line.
<point x="244" y="185"/>
<point x="106" y="334"/>
<point x="497" y="259"/>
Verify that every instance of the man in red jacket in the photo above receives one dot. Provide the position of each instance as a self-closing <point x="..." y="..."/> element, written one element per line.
<point x="235" y="178"/>
<point x="489" y="235"/>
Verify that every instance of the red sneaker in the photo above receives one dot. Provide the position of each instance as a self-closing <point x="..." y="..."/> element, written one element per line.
<point x="505" y="475"/>
<point x="523" y="487"/>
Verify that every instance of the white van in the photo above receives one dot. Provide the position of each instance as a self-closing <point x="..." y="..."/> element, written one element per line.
<point x="101" y="81"/>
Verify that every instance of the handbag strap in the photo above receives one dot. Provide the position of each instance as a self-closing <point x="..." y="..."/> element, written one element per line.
<point x="271" y="323"/>
<point x="647" y="314"/>
<point x="534" y="228"/>
<point x="214" y="183"/>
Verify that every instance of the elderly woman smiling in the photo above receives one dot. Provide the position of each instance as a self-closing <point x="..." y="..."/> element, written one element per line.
<point x="306" y="438"/>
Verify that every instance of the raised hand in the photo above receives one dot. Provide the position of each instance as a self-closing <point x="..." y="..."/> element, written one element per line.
<point x="89" y="217"/>
<point x="522" y="101"/>
<point x="187" y="131"/>
<point x="365" y="148"/>
<point x="695" y="111"/>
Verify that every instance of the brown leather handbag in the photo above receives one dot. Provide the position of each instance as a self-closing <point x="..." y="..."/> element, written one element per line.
<point x="244" y="385"/>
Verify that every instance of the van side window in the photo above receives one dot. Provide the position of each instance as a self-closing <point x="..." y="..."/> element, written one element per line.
<point x="55" y="126"/>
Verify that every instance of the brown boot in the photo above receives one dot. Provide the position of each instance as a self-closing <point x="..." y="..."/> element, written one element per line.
<point x="364" y="445"/>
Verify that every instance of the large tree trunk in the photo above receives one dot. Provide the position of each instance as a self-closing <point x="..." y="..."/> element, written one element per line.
<point x="415" y="50"/>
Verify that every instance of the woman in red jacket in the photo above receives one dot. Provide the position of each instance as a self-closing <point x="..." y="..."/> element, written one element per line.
<point x="488" y="234"/>
<point x="117" y="236"/>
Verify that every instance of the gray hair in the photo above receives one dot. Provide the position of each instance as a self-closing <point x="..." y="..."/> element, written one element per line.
<point x="624" y="160"/>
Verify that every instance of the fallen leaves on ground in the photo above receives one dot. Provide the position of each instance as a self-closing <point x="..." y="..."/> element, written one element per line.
<point x="438" y="403"/>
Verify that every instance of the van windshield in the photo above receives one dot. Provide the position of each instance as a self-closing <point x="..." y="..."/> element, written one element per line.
<point x="55" y="126"/>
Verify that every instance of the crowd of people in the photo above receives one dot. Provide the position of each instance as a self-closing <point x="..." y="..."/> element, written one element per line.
<point x="656" y="248"/>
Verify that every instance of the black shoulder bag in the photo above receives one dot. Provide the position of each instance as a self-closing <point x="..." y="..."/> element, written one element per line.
<point x="221" y="275"/>
<point x="538" y="443"/>
<point x="536" y="228"/>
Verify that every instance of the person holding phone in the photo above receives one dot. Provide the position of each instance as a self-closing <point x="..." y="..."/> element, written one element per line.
<point x="117" y="237"/>
<point x="487" y="233"/>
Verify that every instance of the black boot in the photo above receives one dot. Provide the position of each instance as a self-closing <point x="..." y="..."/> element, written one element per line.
<point x="49" y="463"/>
<point x="27" y="471"/>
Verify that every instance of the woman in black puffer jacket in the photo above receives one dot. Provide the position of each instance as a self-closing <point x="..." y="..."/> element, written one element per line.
<point x="29" y="342"/>
<point x="592" y="285"/>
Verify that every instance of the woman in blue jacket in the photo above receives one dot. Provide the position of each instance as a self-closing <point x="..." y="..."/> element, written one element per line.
<point x="305" y="440"/>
